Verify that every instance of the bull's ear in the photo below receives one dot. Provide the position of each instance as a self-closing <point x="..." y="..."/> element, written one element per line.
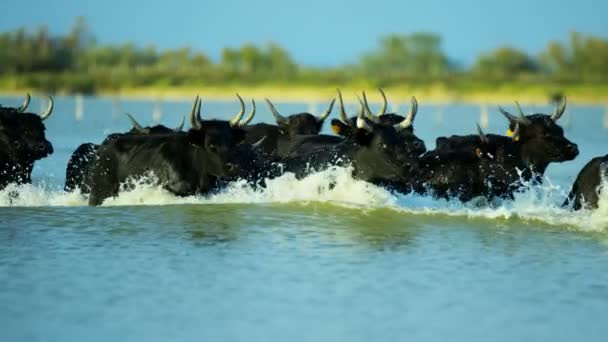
<point x="238" y="135"/>
<point x="339" y="127"/>
<point x="363" y="137"/>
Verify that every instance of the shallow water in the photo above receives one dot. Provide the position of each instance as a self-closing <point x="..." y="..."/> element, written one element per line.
<point x="299" y="260"/>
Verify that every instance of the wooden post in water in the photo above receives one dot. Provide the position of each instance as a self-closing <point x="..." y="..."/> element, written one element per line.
<point x="484" y="116"/>
<point x="568" y="118"/>
<point x="79" y="107"/>
<point x="115" y="107"/>
<point x="313" y="107"/>
<point x="157" y="111"/>
<point x="439" y="115"/>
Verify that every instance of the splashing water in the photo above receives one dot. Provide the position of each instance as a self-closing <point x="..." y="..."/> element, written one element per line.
<point x="538" y="203"/>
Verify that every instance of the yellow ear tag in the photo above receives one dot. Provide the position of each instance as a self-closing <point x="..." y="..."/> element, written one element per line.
<point x="510" y="134"/>
<point x="336" y="129"/>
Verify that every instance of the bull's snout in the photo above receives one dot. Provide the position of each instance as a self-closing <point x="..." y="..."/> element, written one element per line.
<point x="572" y="150"/>
<point x="43" y="148"/>
<point x="419" y="146"/>
<point x="48" y="147"/>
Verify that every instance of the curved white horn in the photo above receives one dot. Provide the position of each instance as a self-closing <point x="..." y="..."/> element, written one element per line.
<point x="26" y="102"/>
<point x="362" y="124"/>
<point x="49" y="110"/>
<point x="136" y="124"/>
<point x="250" y="116"/>
<point x="194" y="117"/>
<point x="235" y="120"/>
<point x="384" y="103"/>
<point x="258" y="143"/>
<point x="512" y="118"/>
<point x="482" y="135"/>
<point x="559" y="110"/>
<point x="275" y="112"/>
<point x="181" y="126"/>
<point x="342" y="113"/>
<point x="324" y="116"/>
<point x="367" y="110"/>
<point x="409" y="120"/>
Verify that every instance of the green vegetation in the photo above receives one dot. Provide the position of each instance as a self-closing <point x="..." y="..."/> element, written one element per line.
<point x="75" y="63"/>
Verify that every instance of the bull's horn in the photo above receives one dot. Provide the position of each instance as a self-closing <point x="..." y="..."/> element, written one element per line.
<point x="235" y="120"/>
<point x="275" y="112"/>
<point x="522" y="116"/>
<point x="26" y="102"/>
<point x="368" y="112"/>
<point x="49" y="110"/>
<point x="343" y="116"/>
<point x="384" y="103"/>
<point x="512" y="118"/>
<point x="258" y="143"/>
<point x="194" y="117"/>
<point x="181" y="126"/>
<point x="136" y="124"/>
<point x="250" y="116"/>
<point x="324" y="116"/>
<point x="362" y="124"/>
<point x="409" y="120"/>
<point x="559" y="110"/>
<point x="482" y="135"/>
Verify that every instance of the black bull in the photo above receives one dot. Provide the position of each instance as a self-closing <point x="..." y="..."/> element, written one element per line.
<point x="588" y="184"/>
<point x="185" y="164"/>
<point x="22" y="142"/>
<point x="82" y="159"/>
<point x="277" y="137"/>
<point x="380" y="154"/>
<point x="496" y="166"/>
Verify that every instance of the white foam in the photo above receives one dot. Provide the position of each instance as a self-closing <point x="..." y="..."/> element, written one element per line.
<point x="38" y="195"/>
<point x="540" y="203"/>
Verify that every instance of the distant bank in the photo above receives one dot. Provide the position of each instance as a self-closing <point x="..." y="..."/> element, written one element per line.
<point x="432" y="93"/>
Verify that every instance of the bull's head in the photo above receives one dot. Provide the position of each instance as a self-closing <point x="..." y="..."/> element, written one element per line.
<point x="383" y="152"/>
<point x="404" y="127"/>
<point x="22" y="134"/>
<point x="302" y="123"/>
<point x="219" y="140"/>
<point x="540" y="136"/>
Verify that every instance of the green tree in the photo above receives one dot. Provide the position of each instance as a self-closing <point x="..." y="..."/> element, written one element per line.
<point x="504" y="62"/>
<point x="418" y="55"/>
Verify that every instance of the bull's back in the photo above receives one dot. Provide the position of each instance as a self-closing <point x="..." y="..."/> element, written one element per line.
<point x="167" y="158"/>
<point x="304" y="144"/>
<point x="79" y="167"/>
<point x="586" y="187"/>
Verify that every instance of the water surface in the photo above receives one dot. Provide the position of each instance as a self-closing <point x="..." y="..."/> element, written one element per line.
<point x="300" y="260"/>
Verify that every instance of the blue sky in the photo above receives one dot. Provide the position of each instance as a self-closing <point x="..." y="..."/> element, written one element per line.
<point x="317" y="32"/>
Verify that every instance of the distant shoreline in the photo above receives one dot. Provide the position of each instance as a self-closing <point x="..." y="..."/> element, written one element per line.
<point x="432" y="94"/>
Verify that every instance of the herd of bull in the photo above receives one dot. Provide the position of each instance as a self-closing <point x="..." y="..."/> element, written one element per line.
<point x="381" y="148"/>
